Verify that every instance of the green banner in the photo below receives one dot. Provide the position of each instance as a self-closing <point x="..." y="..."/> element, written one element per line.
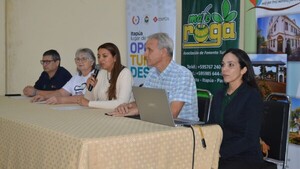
<point x="209" y="28"/>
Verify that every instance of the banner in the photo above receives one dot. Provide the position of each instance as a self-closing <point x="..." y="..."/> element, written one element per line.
<point x="278" y="29"/>
<point x="208" y="29"/>
<point x="145" y="17"/>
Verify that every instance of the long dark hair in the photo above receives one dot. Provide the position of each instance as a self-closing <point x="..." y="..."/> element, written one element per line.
<point x="244" y="61"/>
<point x="118" y="67"/>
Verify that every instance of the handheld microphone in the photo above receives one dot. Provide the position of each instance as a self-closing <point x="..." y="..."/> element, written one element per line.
<point x="95" y="74"/>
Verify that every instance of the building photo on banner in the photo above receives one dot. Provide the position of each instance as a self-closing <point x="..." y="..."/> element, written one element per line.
<point x="270" y="71"/>
<point x="278" y="29"/>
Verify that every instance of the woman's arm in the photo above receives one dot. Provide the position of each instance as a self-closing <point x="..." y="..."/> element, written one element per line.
<point x="123" y="92"/>
<point x="64" y="99"/>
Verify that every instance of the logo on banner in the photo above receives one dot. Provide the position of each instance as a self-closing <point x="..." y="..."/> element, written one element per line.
<point x="146" y="19"/>
<point x="207" y="29"/>
<point x="135" y="20"/>
<point x="161" y="19"/>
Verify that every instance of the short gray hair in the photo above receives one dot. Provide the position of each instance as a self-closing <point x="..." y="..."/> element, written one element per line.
<point x="164" y="41"/>
<point x="90" y="55"/>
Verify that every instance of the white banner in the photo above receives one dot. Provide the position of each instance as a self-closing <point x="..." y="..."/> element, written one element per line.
<point x="276" y="7"/>
<point x="145" y="17"/>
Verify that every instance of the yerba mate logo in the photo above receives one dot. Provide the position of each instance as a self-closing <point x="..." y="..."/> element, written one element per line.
<point x="210" y="29"/>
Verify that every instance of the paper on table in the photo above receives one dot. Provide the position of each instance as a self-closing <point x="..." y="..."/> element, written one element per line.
<point x="18" y="97"/>
<point x="68" y="108"/>
<point x="41" y="102"/>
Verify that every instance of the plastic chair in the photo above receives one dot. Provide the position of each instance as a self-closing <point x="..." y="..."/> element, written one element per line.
<point x="275" y="127"/>
<point x="204" y="104"/>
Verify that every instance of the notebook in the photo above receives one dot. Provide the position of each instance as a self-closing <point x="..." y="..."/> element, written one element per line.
<point x="154" y="107"/>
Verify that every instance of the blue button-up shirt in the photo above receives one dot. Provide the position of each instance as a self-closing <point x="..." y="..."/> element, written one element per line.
<point x="179" y="84"/>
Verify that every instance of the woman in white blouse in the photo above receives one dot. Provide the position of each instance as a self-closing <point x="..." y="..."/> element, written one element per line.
<point x="113" y="85"/>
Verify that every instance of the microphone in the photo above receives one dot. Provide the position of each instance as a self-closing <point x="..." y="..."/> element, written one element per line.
<point x="95" y="74"/>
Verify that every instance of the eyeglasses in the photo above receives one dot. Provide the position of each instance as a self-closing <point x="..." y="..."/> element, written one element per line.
<point x="46" y="61"/>
<point x="84" y="59"/>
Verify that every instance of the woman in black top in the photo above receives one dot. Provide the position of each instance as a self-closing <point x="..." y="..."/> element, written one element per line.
<point x="238" y="109"/>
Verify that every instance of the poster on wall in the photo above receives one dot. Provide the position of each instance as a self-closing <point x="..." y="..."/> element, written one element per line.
<point x="278" y="29"/>
<point x="294" y="136"/>
<point x="145" y="17"/>
<point x="278" y="34"/>
<point x="208" y="29"/>
<point x="270" y="72"/>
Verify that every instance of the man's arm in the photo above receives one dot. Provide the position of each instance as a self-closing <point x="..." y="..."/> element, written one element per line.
<point x="176" y="107"/>
<point x="29" y="91"/>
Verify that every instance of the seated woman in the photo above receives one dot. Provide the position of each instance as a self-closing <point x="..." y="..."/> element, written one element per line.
<point x="113" y="85"/>
<point x="238" y="109"/>
<point x="75" y="88"/>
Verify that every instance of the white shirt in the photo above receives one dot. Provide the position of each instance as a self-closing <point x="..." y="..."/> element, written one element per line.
<point x="98" y="96"/>
<point x="77" y="84"/>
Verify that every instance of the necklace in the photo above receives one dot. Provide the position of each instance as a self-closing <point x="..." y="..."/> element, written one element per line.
<point x="108" y="77"/>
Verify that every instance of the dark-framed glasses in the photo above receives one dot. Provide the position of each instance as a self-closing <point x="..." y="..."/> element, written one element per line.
<point x="46" y="61"/>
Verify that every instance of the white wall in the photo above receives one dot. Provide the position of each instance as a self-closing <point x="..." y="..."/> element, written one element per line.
<point x="2" y="47"/>
<point x="34" y="26"/>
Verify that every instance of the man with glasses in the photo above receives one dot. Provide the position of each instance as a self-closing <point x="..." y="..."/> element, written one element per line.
<point x="52" y="78"/>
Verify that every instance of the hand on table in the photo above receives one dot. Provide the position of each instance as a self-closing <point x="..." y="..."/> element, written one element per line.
<point x="125" y="109"/>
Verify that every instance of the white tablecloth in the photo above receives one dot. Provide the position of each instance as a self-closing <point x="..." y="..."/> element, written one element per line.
<point x="40" y="136"/>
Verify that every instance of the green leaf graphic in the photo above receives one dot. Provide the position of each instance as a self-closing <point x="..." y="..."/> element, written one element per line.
<point x="231" y="16"/>
<point x="216" y="17"/>
<point x="225" y="8"/>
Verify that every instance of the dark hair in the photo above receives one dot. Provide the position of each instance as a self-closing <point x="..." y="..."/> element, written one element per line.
<point x="54" y="54"/>
<point x="244" y="61"/>
<point x="118" y="67"/>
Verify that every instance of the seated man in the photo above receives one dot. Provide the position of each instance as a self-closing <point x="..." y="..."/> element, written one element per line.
<point x="74" y="89"/>
<point x="177" y="80"/>
<point x="52" y="78"/>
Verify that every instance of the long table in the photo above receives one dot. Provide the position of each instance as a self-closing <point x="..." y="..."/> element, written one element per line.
<point x="41" y="136"/>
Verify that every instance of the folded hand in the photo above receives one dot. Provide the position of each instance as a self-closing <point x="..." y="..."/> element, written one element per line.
<point x="125" y="109"/>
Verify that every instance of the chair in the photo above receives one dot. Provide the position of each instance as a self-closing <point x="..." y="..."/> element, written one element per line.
<point x="275" y="127"/>
<point x="204" y="104"/>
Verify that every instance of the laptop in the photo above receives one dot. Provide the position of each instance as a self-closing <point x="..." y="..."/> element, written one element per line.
<point x="154" y="107"/>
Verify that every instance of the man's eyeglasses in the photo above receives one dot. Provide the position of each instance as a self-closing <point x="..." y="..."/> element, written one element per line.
<point x="84" y="59"/>
<point x="46" y="61"/>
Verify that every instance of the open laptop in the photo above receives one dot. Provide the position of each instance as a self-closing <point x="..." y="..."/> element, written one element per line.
<point x="154" y="107"/>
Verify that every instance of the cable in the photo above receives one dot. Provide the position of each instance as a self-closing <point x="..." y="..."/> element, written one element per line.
<point x="202" y="135"/>
<point x="194" y="145"/>
<point x="194" y="141"/>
